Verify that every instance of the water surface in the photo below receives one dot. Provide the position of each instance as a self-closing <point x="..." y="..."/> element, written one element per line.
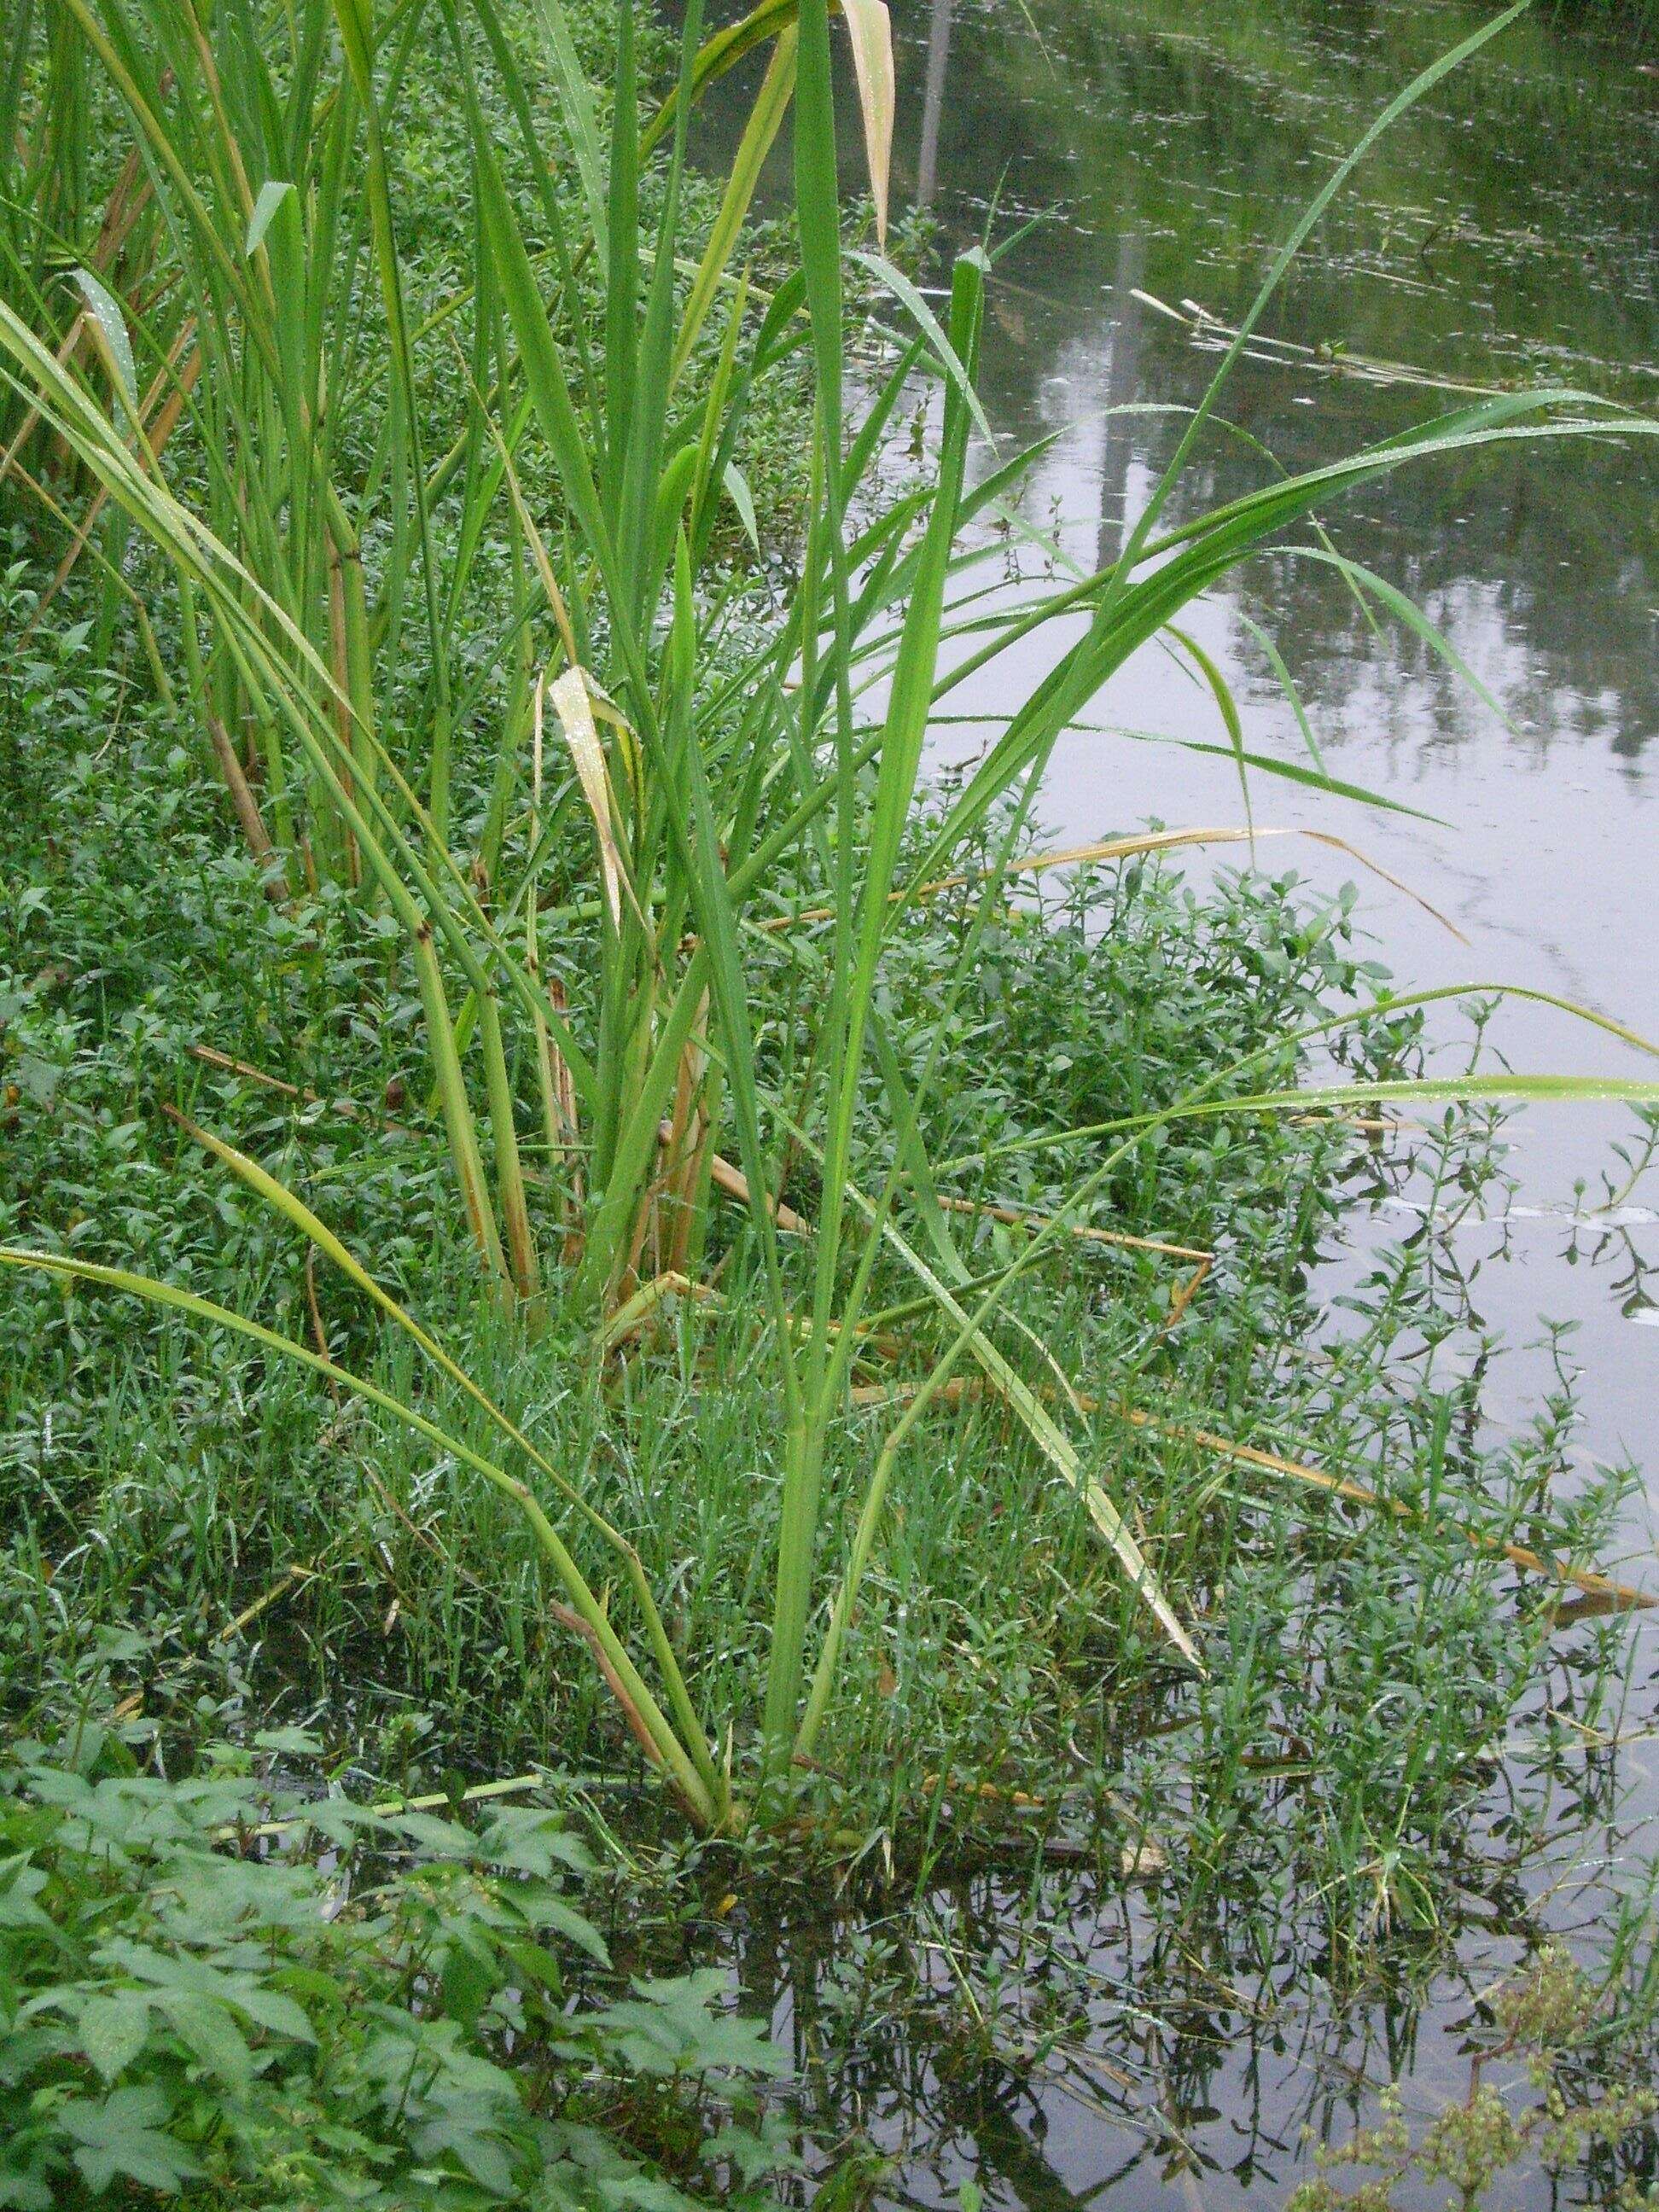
<point x="1505" y="233"/>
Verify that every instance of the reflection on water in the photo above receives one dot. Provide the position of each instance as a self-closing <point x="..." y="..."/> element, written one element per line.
<point x="933" y="106"/>
<point x="1060" y="2036"/>
<point x="1503" y="233"/>
<point x="1176" y="166"/>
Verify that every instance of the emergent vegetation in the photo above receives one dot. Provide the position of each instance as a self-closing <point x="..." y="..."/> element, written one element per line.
<point x="734" y="788"/>
<point x="417" y="474"/>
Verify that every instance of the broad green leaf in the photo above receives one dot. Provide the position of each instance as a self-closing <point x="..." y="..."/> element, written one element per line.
<point x="742" y="499"/>
<point x="579" y="117"/>
<point x="124" y="2136"/>
<point x="928" y="324"/>
<point x="683" y="2026"/>
<point x="760" y="132"/>
<point x="113" y="2031"/>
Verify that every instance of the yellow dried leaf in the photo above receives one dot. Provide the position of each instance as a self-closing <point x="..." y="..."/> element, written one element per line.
<point x="575" y="709"/>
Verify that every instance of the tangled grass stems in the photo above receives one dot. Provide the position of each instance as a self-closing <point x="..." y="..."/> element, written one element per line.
<point x="269" y="302"/>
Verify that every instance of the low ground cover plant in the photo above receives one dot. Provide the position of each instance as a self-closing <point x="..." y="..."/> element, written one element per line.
<point x="607" y="1049"/>
<point x="203" y="1539"/>
<point x="258" y="1994"/>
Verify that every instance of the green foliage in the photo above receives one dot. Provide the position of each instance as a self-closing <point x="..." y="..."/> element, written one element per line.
<point x="1540" y="2022"/>
<point x="725" y="779"/>
<point x="170" y="1485"/>
<point x="193" y="2002"/>
<point x="131" y="930"/>
<point x="581" y="821"/>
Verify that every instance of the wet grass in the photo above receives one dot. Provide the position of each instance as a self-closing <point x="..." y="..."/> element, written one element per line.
<point x="968" y="1466"/>
<point x="198" y="1536"/>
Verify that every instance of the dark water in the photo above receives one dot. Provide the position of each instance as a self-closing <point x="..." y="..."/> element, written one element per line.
<point x="1505" y="233"/>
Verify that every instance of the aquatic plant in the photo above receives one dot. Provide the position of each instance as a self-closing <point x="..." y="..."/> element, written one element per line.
<point x="1541" y="2019"/>
<point x="734" y="789"/>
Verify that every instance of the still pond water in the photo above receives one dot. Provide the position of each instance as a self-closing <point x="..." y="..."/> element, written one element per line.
<point x="1505" y="233"/>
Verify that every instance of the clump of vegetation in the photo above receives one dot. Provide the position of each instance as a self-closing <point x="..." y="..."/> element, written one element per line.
<point x="193" y="2002"/>
<point x="201" y="1537"/>
<point x="1544" y="2020"/>
<point x="693" y="1254"/>
<point x="729" y="784"/>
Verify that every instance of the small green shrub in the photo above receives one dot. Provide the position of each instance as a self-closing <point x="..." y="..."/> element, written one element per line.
<point x="194" y="2002"/>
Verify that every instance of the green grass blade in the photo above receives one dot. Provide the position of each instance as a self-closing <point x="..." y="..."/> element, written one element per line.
<point x="203" y="1310"/>
<point x="579" y="119"/>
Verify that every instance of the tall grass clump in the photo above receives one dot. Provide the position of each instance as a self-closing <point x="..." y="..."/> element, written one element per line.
<point x="247" y="383"/>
